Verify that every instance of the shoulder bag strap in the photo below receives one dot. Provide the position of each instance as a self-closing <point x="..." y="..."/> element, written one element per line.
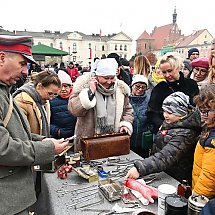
<point x="8" y="115"/>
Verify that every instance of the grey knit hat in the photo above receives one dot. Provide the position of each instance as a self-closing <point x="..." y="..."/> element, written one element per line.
<point x="177" y="103"/>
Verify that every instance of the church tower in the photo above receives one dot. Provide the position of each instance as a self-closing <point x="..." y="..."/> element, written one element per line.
<point x="174" y="15"/>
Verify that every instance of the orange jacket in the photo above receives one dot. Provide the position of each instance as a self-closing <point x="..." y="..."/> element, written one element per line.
<point x="203" y="175"/>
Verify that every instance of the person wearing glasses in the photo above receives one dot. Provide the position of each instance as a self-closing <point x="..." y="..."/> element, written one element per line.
<point x="62" y="121"/>
<point x="139" y="99"/>
<point x="200" y="70"/>
<point x="170" y="65"/>
<point x="203" y="175"/>
<point x="34" y="97"/>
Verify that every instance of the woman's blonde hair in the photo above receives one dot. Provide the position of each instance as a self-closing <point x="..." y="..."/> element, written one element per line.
<point x="142" y="65"/>
<point x="211" y="74"/>
<point x="173" y="58"/>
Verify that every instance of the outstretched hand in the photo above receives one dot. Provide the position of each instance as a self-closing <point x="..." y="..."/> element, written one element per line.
<point x="132" y="173"/>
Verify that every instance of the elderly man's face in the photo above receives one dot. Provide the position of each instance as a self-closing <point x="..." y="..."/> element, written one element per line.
<point x="12" y="67"/>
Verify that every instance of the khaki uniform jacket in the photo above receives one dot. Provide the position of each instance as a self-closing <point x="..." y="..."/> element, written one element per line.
<point x="32" y="111"/>
<point x="81" y="107"/>
<point x="19" y="150"/>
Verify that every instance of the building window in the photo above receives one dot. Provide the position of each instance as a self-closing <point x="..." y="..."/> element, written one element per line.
<point x="51" y="45"/>
<point x="120" y="48"/>
<point x="115" y="47"/>
<point x="74" y="58"/>
<point x="145" y="45"/>
<point x="125" y="56"/>
<point x="61" y="45"/>
<point x="39" y="43"/>
<point x="103" y="48"/>
<point x="125" y="48"/>
<point x="89" y="45"/>
<point x="74" y="48"/>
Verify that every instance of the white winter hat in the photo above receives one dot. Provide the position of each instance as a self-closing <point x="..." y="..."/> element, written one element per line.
<point x="139" y="78"/>
<point x="64" y="77"/>
<point x="106" y="67"/>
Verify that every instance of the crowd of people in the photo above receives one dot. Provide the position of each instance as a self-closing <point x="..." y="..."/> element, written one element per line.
<point x="174" y="102"/>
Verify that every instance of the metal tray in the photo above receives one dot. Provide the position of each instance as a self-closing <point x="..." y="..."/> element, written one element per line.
<point x="110" y="189"/>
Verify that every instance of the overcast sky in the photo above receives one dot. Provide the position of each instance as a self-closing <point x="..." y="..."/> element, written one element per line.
<point x="111" y="16"/>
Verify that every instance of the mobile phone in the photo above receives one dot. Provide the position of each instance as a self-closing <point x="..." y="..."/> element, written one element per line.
<point x="93" y="74"/>
<point x="70" y="138"/>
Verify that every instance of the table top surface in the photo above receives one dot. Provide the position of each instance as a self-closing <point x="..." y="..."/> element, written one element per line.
<point x="64" y="195"/>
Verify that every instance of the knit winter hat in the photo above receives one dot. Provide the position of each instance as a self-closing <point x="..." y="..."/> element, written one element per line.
<point x="191" y="51"/>
<point x="106" y="67"/>
<point x="187" y="65"/>
<point x="177" y="103"/>
<point x="64" y="77"/>
<point x="139" y="78"/>
<point x="200" y="62"/>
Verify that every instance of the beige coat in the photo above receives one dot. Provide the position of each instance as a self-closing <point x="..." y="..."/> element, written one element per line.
<point x="81" y="107"/>
<point x="32" y="111"/>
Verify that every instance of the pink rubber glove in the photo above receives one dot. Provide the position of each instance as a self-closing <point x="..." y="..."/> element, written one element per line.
<point x="147" y="191"/>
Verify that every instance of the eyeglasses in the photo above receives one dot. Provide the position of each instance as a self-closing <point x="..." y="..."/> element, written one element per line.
<point x="139" y="87"/>
<point x="205" y="112"/>
<point x="50" y="94"/>
<point x="197" y="70"/>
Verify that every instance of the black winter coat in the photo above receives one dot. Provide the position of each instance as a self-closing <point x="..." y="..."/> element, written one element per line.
<point x="174" y="148"/>
<point x="161" y="91"/>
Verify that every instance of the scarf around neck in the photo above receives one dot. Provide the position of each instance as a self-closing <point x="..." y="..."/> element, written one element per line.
<point x="31" y="91"/>
<point x="105" y="109"/>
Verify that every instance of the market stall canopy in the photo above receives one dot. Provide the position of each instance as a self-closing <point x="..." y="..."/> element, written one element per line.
<point x="47" y="51"/>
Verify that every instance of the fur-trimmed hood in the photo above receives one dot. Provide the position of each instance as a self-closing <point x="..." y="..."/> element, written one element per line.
<point x="82" y="82"/>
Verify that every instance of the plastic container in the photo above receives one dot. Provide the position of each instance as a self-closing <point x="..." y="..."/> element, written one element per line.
<point x="176" y="205"/>
<point x="196" y="203"/>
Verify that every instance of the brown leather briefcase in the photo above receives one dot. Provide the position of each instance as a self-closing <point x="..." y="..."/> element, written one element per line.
<point x="103" y="146"/>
